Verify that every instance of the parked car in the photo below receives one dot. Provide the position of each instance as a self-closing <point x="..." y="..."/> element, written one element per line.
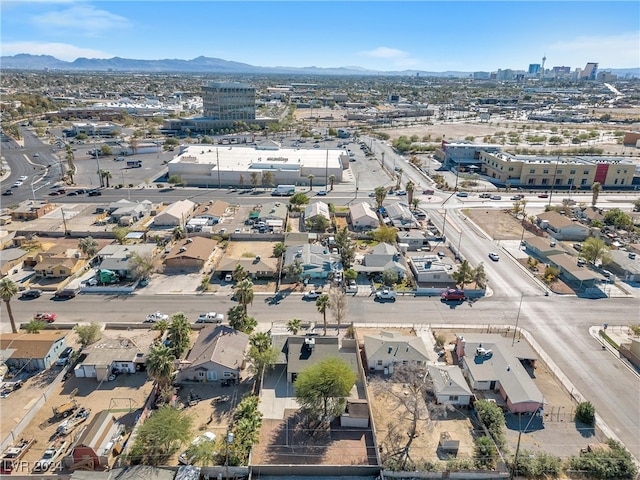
<point x="322" y="193"/>
<point x="462" y="194"/>
<point x="8" y="191"/>
<point x="485" y="195"/>
<point x="31" y="293"/>
<point x="386" y="295"/>
<point x="428" y="191"/>
<point x="496" y="197"/>
<point x="156" y="317"/>
<point x="453" y="294"/>
<point x="22" y="178"/>
<point x="210" y="317"/>
<point x="494" y="256"/>
<point x="45" y="317"/>
<point x="64" y="357"/>
<point x="517" y="197"/>
<point x="401" y="192"/>
<point x="65" y="294"/>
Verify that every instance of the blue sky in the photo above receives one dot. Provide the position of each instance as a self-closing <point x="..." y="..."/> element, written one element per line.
<point x="376" y="35"/>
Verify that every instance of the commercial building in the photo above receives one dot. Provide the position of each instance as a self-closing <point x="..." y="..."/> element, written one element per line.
<point x="267" y="164"/>
<point x="462" y="153"/>
<point x="558" y="172"/>
<point x="230" y="102"/>
<point x="590" y="71"/>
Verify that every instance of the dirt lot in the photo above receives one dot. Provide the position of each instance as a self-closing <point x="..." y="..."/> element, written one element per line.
<point x="124" y="396"/>
<point x="497" y="223"/>
<point x="288" y="441"/>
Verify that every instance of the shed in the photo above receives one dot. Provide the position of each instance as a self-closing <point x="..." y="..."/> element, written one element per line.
<point x="356" y="414"/>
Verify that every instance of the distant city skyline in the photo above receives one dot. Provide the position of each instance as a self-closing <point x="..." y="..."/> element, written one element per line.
<point x="383" y="36"/>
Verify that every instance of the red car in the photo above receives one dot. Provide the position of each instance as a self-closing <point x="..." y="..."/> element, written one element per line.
<point x="543" y="195"/>
<point x="45" y="317"/>
<point x="453" y="294"/>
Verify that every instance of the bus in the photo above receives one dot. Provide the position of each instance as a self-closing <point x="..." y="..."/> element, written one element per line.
<point x="134" y="163"/>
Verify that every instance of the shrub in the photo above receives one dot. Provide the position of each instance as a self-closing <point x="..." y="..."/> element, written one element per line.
<point x="586" y="413"/>
<point x="616" y="462"/>
<point x="492" y="418"/>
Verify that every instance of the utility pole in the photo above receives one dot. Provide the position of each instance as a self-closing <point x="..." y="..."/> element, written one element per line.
<point x="218" y="162"/>
<point x="515" y="330"/>
<point x="95" y="150"/>
<point x="515" y="461"/>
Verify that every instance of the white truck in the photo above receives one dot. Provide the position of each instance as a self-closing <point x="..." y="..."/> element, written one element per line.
<point x="284" y="191"/>
<point x="210" y="317"/>
<point x="386" y="295"/>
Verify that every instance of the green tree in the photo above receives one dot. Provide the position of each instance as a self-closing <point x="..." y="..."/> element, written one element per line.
<point x="385" y="234"/>
<point x="254" y="178"/>
<point x="380" y="193"/>
<point x="8" y="289"/>
<point x="619" y="219"/>
<point x="239" y="273"/>
<point x="463" y="275"/>
<point x="268" y="179"/>
<point x="310" y="177"/>
<point x="294" y="271"/>
<point x="322" y="389"/>
<point x="279" y="249"/>
<point x="119" y="233"/>
<point x="636" y="205"/>
<point x="179" y="333"/>
<point x="350" y="274"/>
<point x="240" y="321"/>
<point x="332" y="179"/>
<point x="34" y="326"/>
<point x="244" y="293"/>
<point x="322" y="304"/>
<point x="594" y="250"/>
<point x="161" y="326"/>
<point x="596" y="188"/>
<point x="161" y="435"/>
<point x="298" y="199"/>
<point x="410" y="187"/>
<point x="319" y="223"/>
<point x="178" y="233"/>
<point x="294" y="326"/>
<point x="262" y="355"/>
<point x="105" y="176"/>
<point x="161" y="365"/>
<point x="493" y="419"/>
<point x="89" y="246"/>
<point x="616" y="462"/>
<point x="586" y="413"/>
<point x="174" y="180"/>
<point x="142" y="266"/>
<point x="551" y="273"/>
<point x="480" y="276"/>
<point x="485" y="453"/>
<point x="105" y="150"/>
<point x="389" y="277"/>
<point x="88" y="334"/>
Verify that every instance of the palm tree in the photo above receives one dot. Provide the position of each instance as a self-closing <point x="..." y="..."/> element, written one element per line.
<point x="310" y="177"/>
<point x="415" y="202"/>
<point x="279" y="249"/>
<point x="239" y="273"/>
<point x="332" y="179"/>
<point x="160" y="326"/>
<point x="244" y="293"/>
<point x="88" y="246"/>
<point x="261" y="341"/>
<point x="410" y="188"/>
<point x="294" y="326"/>
<point x="322" y="304"/>
<point x="8" y="289"/>
<point x="380" y="194"/>
<point x="596" y="188"/>
<point x="179" y="332"/>
<point x="106" y="175"/>
<point x="160" y="365"/>
<point x="399" y="178"/>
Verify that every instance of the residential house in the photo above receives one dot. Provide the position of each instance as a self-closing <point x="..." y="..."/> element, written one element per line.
<point x="626" y="265"/>
<point x="10" y="258"/>
<point x="105" y="356"/>
<point x="576" y="275"/>
<point x="413" y="239"/>
<point x="31" y="351"/>
<point x="213" y="211"/>
<point x="97" y="444"/>
<point x="392" y="348"/>
<point x="590" y="214"/>
<point x="257" y="267"/>
<point x="117" y="258"/>
<point x="493" y="363"/>
<point x="431" y="269"/>
<point x="542" y="247"/>
<point x="190" y="254"/>
<point x="273" y="214"/>
<point x="126" y="213"/>
<point x="217" y="354"/>
<point x="401" y="217"/>
<point x="316" y="260"/>
<point x="32" y="210"/>
<point x="302" y="351"/>
<point x="58" y="262"/>
<point x="449" y="385"/>
<point x="363" y="217"/>
<point x="383" y="256"/>
<point x="317" y="208"/>
<point x="175" y="215"/>
<point x="561" y="227"/>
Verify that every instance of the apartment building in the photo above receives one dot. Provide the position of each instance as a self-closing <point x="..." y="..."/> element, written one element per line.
<point x="557" y="172"/>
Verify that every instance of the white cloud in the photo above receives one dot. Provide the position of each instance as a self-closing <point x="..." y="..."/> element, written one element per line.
<point x="615" y="51"/>
<point x="82" y="20"/>
<point x="61" y="51"/>
<point x="395" y="58"/>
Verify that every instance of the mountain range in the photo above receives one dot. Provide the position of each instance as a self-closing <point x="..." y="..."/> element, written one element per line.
<point x="24" y="61"/>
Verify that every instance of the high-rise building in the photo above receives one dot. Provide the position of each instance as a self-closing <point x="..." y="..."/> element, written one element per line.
<point x="229" y="101"/>
<point x="590" y="71"/>
<point x="534" y="68"/>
